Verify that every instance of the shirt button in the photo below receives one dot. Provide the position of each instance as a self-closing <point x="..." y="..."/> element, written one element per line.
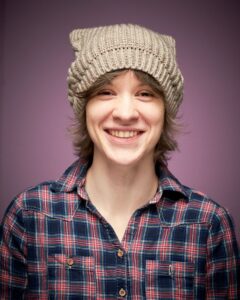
<point x="120" y="253"/>
<point x="70" y="262"/>
<point x="122" y="293"/>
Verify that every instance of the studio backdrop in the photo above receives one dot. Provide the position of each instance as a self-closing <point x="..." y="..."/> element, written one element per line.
<point x="34" y="112"/>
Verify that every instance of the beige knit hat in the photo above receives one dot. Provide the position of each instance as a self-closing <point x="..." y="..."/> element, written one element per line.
<point x="103" y="49"/>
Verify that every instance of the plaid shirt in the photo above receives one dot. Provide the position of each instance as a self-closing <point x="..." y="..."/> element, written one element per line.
<point x="54" y="244"/>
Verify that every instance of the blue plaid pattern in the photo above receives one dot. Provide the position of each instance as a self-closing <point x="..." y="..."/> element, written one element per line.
<point x="54" y="244"/>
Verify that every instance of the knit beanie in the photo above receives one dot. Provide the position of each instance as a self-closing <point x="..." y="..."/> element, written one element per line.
<point x="126" y="46"/>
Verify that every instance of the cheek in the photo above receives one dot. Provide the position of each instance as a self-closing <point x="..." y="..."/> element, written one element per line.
<point x="96" y="114"/>
<point x="91" y="128"/>
<point x="155" y="116"/>
<point x="158" y="118"/>
<point x="90" y="118"/>
<point x="92" y="112"/>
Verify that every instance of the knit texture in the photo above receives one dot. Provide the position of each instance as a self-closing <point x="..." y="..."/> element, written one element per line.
<point x="126" y="46"/>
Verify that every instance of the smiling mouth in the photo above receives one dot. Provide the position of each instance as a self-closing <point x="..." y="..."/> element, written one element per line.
<point x="124" y="134"/>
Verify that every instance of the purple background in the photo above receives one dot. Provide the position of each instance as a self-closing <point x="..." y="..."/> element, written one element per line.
<point x="34" y="113"/>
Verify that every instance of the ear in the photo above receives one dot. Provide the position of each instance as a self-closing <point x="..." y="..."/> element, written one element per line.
<point x="76" y="39"/>
<point x="171" y="44"/>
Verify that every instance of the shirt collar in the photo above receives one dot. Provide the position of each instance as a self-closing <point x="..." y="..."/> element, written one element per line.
<point x="74" y="178"/>
<point x="71" y="178"/>
<point x="169" y="184"/>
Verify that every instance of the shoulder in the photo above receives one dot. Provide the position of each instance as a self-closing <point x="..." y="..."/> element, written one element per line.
<point x="204" y="209"/>
<point x="182" y="203"/>
<point x="38" y="198"/>
<point x="30" y="200"/>
<point x="188" y="204"/>
<point x="57" y="199"/>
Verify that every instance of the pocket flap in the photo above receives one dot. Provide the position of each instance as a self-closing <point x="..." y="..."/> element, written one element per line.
<point x="75" y="262"/>
<point x="174" y="268"/>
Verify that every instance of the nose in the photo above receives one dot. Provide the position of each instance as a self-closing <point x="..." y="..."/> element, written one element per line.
<point x="125" y="109"/>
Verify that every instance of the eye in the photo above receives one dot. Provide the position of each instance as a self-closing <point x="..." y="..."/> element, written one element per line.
<point x="145" y="95"/>
<point x="105" y="92"/>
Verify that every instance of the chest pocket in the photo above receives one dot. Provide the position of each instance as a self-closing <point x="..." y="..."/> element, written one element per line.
<point x="169" y="280"/>
<point x="71" y="277"/>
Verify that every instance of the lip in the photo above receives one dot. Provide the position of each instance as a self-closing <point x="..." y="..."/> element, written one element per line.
<point x="123" y="135"/>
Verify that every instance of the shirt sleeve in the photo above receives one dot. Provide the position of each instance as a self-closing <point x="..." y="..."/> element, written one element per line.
<point x="13" y="275"/>
<point x="223" y="265"/>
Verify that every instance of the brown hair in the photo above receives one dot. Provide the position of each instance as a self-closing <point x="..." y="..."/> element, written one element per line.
<point x="82" y="142"/>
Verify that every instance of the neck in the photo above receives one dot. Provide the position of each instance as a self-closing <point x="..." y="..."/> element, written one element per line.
<point x="113" y="187"/>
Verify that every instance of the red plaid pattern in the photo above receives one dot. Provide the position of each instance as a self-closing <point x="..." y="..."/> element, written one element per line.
<point x="54" y="244"/>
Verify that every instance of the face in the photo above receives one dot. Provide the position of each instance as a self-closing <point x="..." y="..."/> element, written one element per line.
<point x="125" y="119"/>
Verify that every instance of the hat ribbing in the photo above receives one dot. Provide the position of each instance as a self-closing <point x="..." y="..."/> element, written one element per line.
<point x="103" y="49"/>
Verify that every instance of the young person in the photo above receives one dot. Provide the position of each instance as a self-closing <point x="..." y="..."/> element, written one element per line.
<point x="118" y="224"/>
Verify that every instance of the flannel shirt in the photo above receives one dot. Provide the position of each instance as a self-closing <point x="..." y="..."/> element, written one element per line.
<point x="54" y="244"/>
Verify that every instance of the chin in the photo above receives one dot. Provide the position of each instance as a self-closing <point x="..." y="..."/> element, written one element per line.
<point x="127" y="160"/>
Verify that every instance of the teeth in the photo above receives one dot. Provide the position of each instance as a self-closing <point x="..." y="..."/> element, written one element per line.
<point x="123" y="134"/>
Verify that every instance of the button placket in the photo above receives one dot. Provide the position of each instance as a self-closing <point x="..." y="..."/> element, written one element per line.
<point x="121" y="265"/>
